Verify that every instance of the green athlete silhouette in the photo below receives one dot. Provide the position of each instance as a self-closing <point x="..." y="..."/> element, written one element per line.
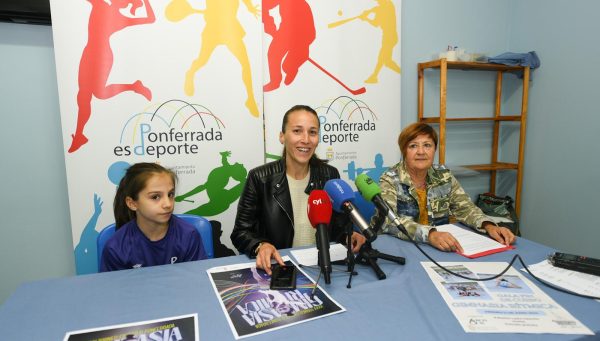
<point x="219" y="198"/>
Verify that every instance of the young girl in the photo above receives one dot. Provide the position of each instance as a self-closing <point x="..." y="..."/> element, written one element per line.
<point x="147" y="231"/>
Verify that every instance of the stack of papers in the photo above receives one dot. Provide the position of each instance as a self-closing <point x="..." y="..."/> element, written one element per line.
<point x="474" y="245"/>
<point x="579" y="282"/>
<point x="308" y="257"/>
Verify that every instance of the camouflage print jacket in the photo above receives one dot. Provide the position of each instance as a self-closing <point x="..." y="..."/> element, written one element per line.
<point x="445" y="197"/>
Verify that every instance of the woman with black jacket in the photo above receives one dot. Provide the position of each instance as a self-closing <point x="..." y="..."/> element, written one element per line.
<point x="272" y="208"/>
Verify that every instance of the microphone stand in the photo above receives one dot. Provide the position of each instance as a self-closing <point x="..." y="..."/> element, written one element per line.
<point x="369" y="256"/>
<point x="349" y="261"/>
<point x="349" y="255"/>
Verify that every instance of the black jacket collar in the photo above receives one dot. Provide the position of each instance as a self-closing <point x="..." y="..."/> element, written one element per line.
<point x="280" y="182"/>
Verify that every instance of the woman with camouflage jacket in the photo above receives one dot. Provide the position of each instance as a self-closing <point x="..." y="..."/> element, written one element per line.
<point x="425" y="195"/>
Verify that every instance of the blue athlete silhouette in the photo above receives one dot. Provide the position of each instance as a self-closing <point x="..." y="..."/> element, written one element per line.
<point x="86" y="254"/>
<point x="374" y="173"/>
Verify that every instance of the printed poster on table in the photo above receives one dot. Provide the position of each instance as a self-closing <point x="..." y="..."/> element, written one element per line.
<point x="183" y="327"/>
<point x="251" y="307"/>
<point x="508" y="304"/>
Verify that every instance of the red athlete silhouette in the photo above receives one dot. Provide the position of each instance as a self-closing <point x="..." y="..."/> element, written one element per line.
<point x="291" y="41"/>
<point x="97" y="58"/>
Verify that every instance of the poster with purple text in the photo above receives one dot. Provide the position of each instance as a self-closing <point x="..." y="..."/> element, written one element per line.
<point x="251" y="307"/>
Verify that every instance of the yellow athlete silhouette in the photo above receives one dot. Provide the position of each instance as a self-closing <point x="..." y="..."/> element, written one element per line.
<point x="222" y="28"/>
<point x="385" y="18"/>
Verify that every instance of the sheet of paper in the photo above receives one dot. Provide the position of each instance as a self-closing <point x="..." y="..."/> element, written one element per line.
<point x="473" y="244"/>
<point x="508" y="304"/>
<point x="308" y="257"/>
<point x="579" y="282"/>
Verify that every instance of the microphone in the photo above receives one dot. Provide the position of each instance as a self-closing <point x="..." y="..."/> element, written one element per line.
<point x="319" y="215"/>
<point x="342" y="195"/>
<point x="371" y="192"/>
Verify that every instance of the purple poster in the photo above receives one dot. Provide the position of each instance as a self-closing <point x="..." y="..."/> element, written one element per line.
<point x="251" y="307"/>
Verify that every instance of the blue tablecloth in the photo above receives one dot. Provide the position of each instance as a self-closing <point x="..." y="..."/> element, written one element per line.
<point x="404" y="306"/>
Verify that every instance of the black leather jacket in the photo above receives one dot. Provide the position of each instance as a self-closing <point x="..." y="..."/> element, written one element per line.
<point x="265" y="209"/>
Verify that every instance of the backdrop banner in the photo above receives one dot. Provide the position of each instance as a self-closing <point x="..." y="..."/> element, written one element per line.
<point x="173" y="82"/>
<point x="343" y="59"/>
<point x="201" y="86"/>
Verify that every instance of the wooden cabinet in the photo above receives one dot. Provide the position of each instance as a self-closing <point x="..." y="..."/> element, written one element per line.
<point x="495" y="165"/>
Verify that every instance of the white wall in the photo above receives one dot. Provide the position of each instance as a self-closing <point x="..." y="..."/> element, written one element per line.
<point x="35" y="237"/>
<point x="561" y="193"/>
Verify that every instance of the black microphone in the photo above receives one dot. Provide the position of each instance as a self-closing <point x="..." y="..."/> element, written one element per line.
<point x="342" y="195"/>
<point x="371" y="192"/>
<point x="319" y="215"/>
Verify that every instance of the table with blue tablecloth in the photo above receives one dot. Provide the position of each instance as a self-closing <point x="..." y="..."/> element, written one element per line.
<point x="404" y="306"/>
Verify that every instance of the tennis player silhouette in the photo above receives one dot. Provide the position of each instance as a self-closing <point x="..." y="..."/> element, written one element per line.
<point x="221" y="28"/>
<point x="97" y="59"/>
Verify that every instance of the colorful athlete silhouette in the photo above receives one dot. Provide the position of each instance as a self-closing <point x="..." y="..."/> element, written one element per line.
<point x="289" y="48"/>
<point x="86" y="254"/>
<point x="222" y="28"/>
<point x="97" y="59"/>
<point x="219" y="197"/>
<point x="385" y="18"/>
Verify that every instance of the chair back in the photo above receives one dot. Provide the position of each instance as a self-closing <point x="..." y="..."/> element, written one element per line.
<point x="103" y="237"/>
<point x="203" y="227"/>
